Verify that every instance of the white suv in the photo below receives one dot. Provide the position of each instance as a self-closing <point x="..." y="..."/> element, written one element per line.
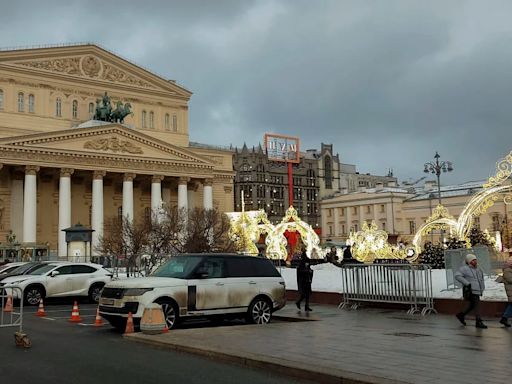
<point x="59" y="279"/>
<point x="199" y="285"/>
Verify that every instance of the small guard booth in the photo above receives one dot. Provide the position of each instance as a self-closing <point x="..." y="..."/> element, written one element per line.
<point x="79" y="240"/>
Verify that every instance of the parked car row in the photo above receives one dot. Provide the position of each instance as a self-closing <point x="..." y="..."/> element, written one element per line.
<point x="55" y="279"/>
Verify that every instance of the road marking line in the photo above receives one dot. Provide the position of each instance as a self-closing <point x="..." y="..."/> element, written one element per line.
<point x="48" y="318"/>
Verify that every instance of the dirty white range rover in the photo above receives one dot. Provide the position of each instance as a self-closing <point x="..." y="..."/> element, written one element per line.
<point x="199" y="285"/>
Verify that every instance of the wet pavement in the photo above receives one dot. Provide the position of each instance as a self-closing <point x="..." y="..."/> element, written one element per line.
<point x="363" y="346"/>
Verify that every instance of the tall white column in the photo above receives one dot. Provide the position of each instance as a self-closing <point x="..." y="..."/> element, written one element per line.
<point x="17" y="205"/>
<point x="128" y="196"/>
<point x="208" y="194"/>
<point x="30" y="204"/>
<point x="97" y="209"/>
<point x="156" y="193"/>
<point x="64" y="208"/>
<point x="182" y="193"/>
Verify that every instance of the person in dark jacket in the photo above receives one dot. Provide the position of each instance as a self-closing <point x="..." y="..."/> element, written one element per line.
<point x="304" y="279"/>
<point x="347" y="254"/>
<point x="472" y="279"/>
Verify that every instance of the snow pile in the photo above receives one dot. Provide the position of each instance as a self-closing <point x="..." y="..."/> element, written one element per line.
<point x="328" y="278"/>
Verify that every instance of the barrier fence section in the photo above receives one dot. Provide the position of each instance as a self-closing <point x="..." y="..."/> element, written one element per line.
<point x="11" y="314"/>
<point x="409" y="284"/>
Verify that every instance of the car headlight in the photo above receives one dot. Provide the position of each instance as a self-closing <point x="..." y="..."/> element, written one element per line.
<point x="14" y="283"/>
<point x="136" y="291"/>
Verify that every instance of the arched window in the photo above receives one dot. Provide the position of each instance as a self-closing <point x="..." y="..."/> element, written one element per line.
<point x="167" y="122"/>
<point x="31" y="103"/>
<point x="175" y="123"/>
<point x="91" y="110"/>
<point x="151" y="119"/>
<point x="1" y="99"/>
<point x="21" y="102"/>
<point x="143" y="119"/>
<point x="75" y="109"/>
<point x="328" y="172"/>
<point x="58" y="107"/>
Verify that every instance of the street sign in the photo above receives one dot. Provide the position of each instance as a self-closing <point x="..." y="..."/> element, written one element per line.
<point x="282" y="148"/>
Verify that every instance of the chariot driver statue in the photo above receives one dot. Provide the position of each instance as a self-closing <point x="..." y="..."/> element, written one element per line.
<point x="104" y="112"/>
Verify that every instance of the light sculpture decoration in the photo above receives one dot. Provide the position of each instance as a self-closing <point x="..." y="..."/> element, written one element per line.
<point x="371" y="243"/>
<point x="496" y="187"/>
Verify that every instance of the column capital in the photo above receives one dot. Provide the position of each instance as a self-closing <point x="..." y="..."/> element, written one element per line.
<point x="98" y="175"/>
<point x="129" y="176"/>
<point x="157" y="178"/>
<point x="66" y="172"/>
<point x="183" y="180"/>
<point x="31" y="169"/>
<point x="207" y="182"/>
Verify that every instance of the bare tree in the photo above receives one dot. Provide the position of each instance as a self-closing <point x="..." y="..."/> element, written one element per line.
<point x="170" y="231"/>
<point x="124" y="238"/>
<point x="207" y="231"/>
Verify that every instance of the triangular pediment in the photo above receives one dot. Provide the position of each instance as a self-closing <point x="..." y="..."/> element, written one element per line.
<point x="90" y="62"/>
<point x="112" y="140"/>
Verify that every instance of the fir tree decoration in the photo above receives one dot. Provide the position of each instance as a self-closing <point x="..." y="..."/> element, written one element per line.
<point x="478" y="237"/>
<point x="433" y="255"/>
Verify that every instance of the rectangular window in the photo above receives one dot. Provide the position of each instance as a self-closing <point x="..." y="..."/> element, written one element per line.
<point x="167" y="122"/>
<point x="342" y="212"/>
<point x="175" y="123"/>
<point x="368" y="209"/>
<point x="343" y="229"/>
<point x="354" y="210"/>
<point x="382" y="208"/>
<point x="495" y="223"/>
<point x="31" y="102"/>
<point x="330" y="230"/>
<point x="412" y="227"/>
<point x="383" y="226"/>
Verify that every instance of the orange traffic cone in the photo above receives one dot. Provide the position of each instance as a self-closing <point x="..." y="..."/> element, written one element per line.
<point x="75" y="315"/>
<point x="129" y="324"/>
<point x="166" y="329"/>
<point x="8" y="304"/>
<point x="99" y="321"/>
<point x="40" y="310"/>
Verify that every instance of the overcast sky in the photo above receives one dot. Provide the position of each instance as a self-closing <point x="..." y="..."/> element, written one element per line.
<point x="386" y="82"/>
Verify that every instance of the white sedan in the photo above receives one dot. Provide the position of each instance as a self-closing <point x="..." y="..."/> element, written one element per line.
<point x="59" y="280"/>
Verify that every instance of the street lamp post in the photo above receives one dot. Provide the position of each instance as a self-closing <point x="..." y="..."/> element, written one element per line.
<point x="437" y="167"/>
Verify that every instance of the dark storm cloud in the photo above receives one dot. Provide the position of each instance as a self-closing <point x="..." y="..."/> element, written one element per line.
<point x="388" y="83"/>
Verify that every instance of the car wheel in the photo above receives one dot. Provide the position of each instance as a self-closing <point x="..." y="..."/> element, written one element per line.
<point x="171" y="314"/>
<point x="95" y="292"/>
<point x="260" y="311"/>
<point x="33" y="295"/>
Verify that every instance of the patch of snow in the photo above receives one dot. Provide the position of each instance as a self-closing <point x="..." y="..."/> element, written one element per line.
<point x="329" y="278"/>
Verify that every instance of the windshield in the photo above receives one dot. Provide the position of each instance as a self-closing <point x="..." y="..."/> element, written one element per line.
<point x="22" y="269"/>
<point x="178" y="267"/>
<point x="42" y="269"/>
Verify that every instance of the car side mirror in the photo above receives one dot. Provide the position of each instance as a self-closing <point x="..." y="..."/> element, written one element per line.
<point x="54" y="273"/>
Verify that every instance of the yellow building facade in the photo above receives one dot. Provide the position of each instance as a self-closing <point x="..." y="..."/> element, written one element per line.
<point x="402" y="211"/>
<point x="59" y="167"/>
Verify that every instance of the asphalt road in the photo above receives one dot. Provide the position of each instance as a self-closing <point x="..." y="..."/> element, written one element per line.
<point x="81" y="353"/>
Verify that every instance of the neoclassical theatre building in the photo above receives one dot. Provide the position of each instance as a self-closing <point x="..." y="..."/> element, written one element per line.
<point x="60" y="167"/>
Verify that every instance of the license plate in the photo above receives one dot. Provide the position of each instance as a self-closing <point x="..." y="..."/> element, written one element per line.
<point x="107" y="301"/>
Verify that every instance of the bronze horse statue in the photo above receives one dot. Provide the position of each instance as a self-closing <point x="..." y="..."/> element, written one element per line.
<point x="120" y="112"/>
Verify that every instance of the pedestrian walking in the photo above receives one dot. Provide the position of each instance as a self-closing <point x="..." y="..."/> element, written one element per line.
<point x="332" y="256"/>
<point x="472" y="279"/>
<point x="507" y="280"/>
<point x="304" y="279"/>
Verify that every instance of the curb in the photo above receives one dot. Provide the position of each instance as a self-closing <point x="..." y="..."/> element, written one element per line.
<point x="283" y="367"/>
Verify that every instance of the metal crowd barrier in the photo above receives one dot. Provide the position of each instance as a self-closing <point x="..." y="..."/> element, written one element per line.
<point x="409" y="284"/>
<point x="11" y="313"/>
